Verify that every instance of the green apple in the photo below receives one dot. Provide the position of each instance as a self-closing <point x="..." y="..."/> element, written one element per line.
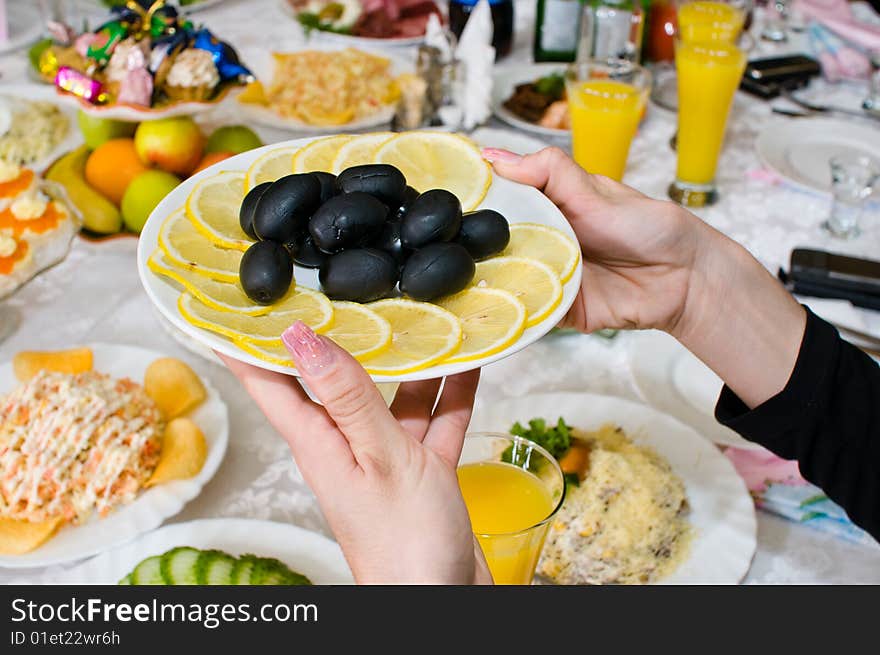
<point x="142" y="196"/>
<point x="97" y="130"/>
<point x="233" y="138"/>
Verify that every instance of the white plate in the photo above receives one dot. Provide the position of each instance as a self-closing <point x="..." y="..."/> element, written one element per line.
<point x="24" y="25"/>
<point x="661" y="367"/>
<point x="349" y="39"/>
<point x="505" y="80"/>
<point x="517" y="202"/>
<point x="263" y="66"/>
<point x="152" y="506"/>
<point x="800" y="150"/>
<point x="721" y="511"/>
<point x="313" y="555"/>
<point x="33" y="92"/>
<point x="135" y="114"/>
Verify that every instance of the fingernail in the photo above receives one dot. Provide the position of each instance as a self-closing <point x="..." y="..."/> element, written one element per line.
<point x="499" y="154"/>
<point x="310" y="353"/>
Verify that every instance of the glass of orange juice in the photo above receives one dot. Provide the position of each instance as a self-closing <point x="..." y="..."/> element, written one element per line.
<point x="712" y="20"/>
<point x="606" y="101"/>
<point x="512" y="488"/>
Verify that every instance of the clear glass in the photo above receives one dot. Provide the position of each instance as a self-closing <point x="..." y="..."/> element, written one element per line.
<point x="606" y="102"/>
<point x="611" y="29"/>
<point x="776" y="21"/>
<point x="513" y="556"/>
<point x="853" y="179"/>
<point x="708" y="76"/>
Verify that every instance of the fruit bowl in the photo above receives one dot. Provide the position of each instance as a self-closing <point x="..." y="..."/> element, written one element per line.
<point x="519" y="203"/>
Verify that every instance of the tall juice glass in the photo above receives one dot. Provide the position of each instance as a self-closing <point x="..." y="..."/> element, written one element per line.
<point x="512" y="488"/>
<point x="711" y="20"/>
<point x="606" y="100"/>
<point x="708" y="76"/>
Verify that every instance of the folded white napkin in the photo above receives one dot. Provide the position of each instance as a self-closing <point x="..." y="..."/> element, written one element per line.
<point x="476" y="57"/>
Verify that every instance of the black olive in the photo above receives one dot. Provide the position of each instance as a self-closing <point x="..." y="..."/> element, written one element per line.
<point x="358" y="274"/>
<point x="389" y="241"/>
<point x="484" y="233"/>
<point x="304" y="251"/>
<point x="285" y="207"/>
<point x="408" y="197"/>
<point x="347" y="221"/>
<point x="248" y="206"/>
<point x="437" y="270"/>
<point x="328" y="185"/>
<point x="382" y="181"/>
<point x="266" y="271"/>
<point x="434" y="216"/>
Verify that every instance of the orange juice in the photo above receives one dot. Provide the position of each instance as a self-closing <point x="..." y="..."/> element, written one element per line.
<point x="704" y="20"/>
<point x="504" y="502"/>
<point x="708" y="76"/>
<point x="604" y="117"/>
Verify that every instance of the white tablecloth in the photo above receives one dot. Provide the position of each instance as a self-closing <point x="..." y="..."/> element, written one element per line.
<point x="95" y="295"/>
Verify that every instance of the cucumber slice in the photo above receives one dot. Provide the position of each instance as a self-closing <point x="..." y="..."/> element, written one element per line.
<point x="126" y="580"/>
<point x="286" y="578"/>
<point x="178" y="566"/>
<point x="214" y="567"/>
<point x="269" y="571"/>
<point x="148" y="572"/>
<point x="241" y="573"/>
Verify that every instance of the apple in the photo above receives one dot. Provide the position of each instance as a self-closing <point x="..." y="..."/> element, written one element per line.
<point x="173" y="144"/>
<point x="142" y="196"/>
<point x="96" y="130"/>
<point x="233" y="138"/>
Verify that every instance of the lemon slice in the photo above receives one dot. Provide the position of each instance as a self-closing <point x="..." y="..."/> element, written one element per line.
<point x="306" y="305"/>
<point x="213" y="209"/>
<point x="270" y="166"/>
<point x="319" y="154"/>
<point x="422" y="335"/>
<point x="439" y="160"/>
<point x="188" y="249"/>
<point x="362" y="332"/>
<point x="222" y="296"/>
<point x="533" y="282"/>
<point x="546" y="244"/>
<point x="359" y="150"/>
<point x="491" y="320"/>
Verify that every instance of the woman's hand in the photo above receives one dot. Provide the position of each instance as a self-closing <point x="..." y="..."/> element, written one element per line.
<point x="386" y="485"/>
<point x="652" y="264"/>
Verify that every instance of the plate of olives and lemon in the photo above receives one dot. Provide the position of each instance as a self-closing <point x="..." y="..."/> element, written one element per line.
<point x="404" y="249"/>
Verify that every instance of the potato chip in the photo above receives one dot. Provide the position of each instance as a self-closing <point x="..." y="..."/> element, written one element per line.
<point x="28" y="364"/>
<point x="18" y="537"/>
<point x="173" y="386"/>
<point x="183" y="453"/>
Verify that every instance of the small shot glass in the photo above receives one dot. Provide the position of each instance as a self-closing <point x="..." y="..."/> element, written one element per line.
<point x="853" y="179"/>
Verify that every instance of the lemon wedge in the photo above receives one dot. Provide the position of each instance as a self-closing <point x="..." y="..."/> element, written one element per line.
<point x="188" y="249"/>
<point x="222" y="296"/>
<point x="319" y="154"/>
<point x="422" y="335"/>
<point x="491" y="320"/>
<point x="439" y="160"/>
<point x="546" y="244"/>
<point x="359" y="150"/>
<point x="533" y="282"/>
<point x="269" y="166"/>
<point x="310" y="307"/>
<point x="213" y="209"/>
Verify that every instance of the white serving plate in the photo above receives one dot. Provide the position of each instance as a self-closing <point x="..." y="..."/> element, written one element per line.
<point x="349" y="39"/>
<point x="309" y="553"/>
<point x="801" y="150"/>
<point x="721" y="511"/>
<point x="519" y="203"/>
<point x="505" y="80"/>
<point x="136" y="114"/>
<point x="152" y="506"/>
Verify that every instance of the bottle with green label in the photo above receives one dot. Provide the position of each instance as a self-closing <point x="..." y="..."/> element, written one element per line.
<point x="611" y="29"/>
<point x="557" y="28"/>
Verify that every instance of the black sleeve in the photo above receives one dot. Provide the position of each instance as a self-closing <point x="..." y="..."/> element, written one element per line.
<point x="827" y="418"/>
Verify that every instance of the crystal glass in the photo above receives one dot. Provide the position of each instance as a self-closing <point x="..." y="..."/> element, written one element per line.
<point x="853" y="179"/>
<point x="606" y="101"/>
<point x="512" y="488"/>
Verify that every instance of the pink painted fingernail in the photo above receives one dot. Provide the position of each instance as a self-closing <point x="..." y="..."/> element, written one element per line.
<point x="310" y="353"/>
<point x="499" y="154"/>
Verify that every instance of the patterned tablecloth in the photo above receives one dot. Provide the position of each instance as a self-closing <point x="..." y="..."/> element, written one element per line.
<point x="95" y="296"/>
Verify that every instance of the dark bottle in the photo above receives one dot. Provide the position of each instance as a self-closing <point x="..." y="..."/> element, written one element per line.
<point x="557" y="30"/>
<point x="502" y="22"/>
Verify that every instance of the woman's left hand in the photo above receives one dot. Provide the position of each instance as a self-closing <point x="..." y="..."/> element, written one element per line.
<point x="385" y="479"/>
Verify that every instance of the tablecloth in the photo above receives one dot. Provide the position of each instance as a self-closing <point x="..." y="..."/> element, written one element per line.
<point x="95" y="296"/>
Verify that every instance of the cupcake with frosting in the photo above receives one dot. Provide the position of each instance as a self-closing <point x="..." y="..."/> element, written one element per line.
<point x="192" y="76"/>
<point x="118" y="67"/>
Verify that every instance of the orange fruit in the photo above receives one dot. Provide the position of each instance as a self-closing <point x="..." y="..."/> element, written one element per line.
<point x="112" y="166"/>
<point x="210" y="159"/>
